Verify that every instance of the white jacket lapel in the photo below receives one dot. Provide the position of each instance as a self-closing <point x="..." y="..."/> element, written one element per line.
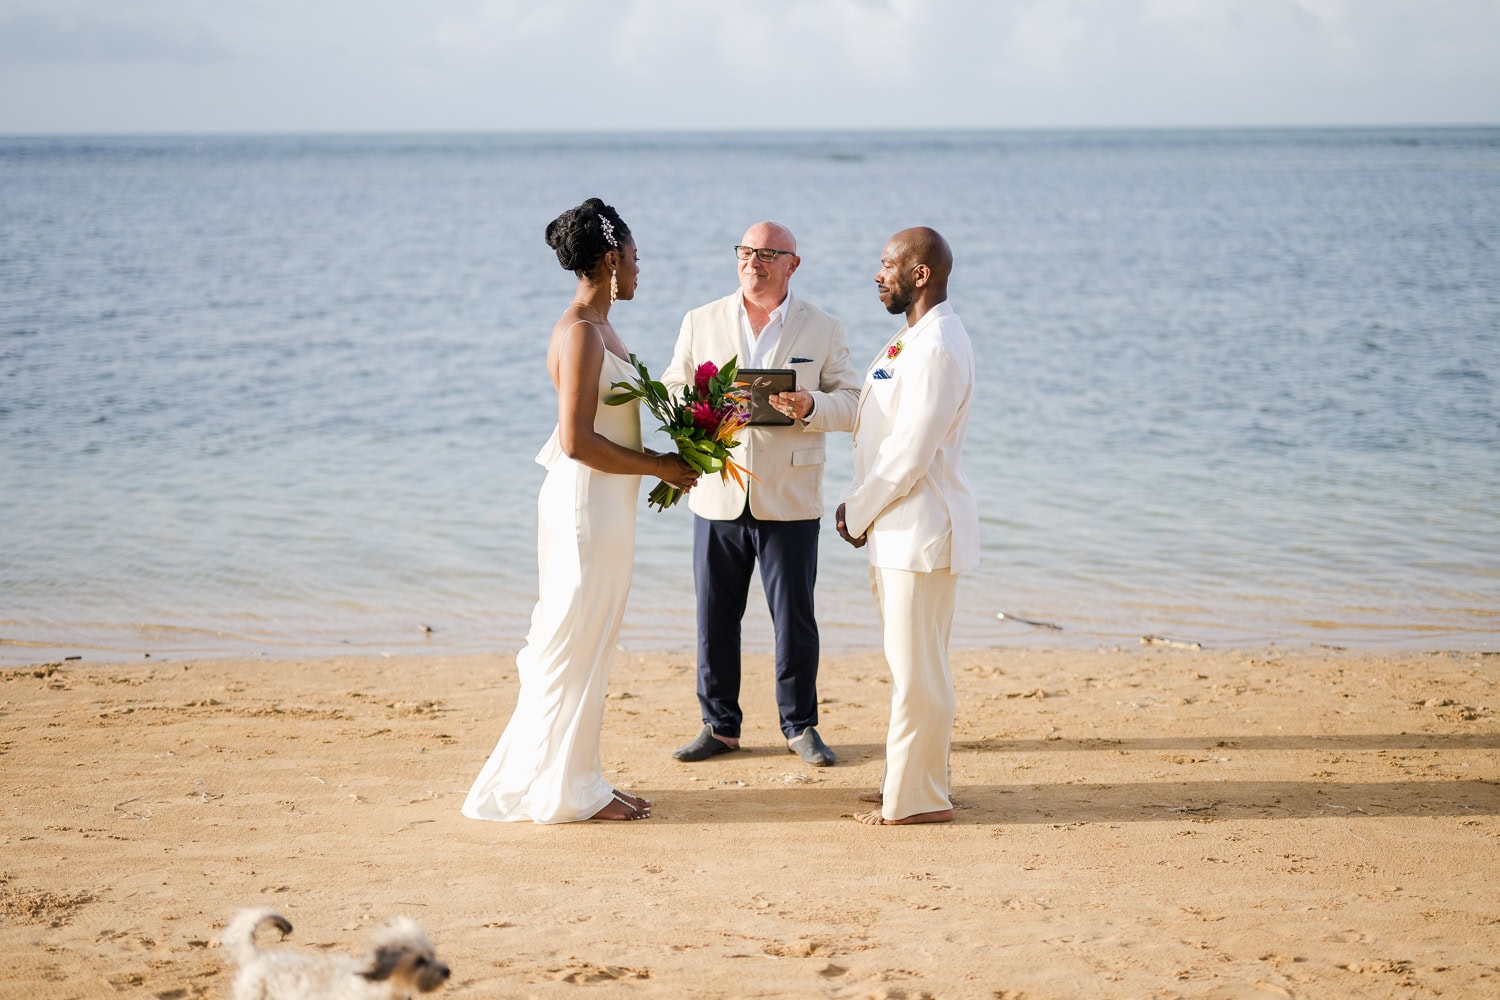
<point x="791" y="329"/>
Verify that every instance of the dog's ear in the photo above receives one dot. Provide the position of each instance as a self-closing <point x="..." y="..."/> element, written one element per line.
<point x="383" y="962"/>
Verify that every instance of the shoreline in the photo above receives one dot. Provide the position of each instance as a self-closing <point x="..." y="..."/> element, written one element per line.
<point x="111" y="642"/>
<point x="1148" y="822"/>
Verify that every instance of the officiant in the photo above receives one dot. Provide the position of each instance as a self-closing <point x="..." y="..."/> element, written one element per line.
<point x="774" y="522"/>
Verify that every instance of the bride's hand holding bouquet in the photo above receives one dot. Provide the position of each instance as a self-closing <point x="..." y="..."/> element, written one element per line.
<point x="705" y="424"/>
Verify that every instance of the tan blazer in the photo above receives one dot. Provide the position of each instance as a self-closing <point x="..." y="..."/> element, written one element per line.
<point x="787" y="461"/>
<point x="910" y="493"/>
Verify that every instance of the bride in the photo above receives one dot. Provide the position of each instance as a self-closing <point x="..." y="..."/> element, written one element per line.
<point x="546" y="766"/>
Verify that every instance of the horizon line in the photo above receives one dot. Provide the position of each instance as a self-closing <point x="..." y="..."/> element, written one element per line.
<point x="747" y="131"/>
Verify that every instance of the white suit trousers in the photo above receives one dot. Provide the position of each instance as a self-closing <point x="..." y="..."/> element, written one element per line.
<point x="916" y="614"/>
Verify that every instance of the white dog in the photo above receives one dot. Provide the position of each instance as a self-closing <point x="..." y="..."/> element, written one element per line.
<point x="401" y="964"/>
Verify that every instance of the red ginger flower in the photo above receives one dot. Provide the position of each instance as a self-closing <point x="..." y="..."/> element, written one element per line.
<point x="705" y="371"/>
<point x="705" y="417"/>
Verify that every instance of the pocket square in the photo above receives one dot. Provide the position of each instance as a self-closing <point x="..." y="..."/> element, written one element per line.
<point x="880" y="373"/>
<point x="800" y="361"/>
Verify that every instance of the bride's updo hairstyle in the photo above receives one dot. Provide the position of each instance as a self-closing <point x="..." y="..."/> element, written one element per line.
<point x="582" y="235"/>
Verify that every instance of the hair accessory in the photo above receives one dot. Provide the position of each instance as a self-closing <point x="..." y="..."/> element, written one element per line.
<point x="609" y="232"/>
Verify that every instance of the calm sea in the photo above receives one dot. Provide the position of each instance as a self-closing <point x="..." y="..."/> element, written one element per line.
<point x="281" y="394"/>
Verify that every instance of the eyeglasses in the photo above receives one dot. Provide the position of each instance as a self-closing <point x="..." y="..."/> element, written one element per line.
<point x="766" y="256"/>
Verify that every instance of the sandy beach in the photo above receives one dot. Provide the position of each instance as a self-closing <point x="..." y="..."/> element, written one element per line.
<point x="1137" y="822"/>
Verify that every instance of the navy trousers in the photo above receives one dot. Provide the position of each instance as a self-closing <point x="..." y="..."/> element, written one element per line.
<point x="725" y="554"/>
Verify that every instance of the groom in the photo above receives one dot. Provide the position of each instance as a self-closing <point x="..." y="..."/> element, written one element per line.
<point x="911" y="506"/>
<point x="773" y="521"/>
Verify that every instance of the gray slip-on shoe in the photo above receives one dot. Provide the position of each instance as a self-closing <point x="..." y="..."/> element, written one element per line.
<point x="702" y="747"/>
<point x="811" y="748"/>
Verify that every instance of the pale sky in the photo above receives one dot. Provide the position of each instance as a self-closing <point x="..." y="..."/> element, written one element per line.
<point x="174" y="66"/>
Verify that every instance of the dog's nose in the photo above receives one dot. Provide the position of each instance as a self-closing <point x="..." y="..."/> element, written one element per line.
<point x="443" y="971"/>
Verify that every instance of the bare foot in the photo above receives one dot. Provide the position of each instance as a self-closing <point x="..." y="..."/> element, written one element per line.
<point x="643" y="805"/>
<point x="873" y="818"/>
<point x="624" y="807"/>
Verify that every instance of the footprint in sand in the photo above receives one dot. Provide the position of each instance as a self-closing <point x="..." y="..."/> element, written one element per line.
<point x="587" y="973"/>
<point x="800" y="949"/>
<point x="40" y="909"/>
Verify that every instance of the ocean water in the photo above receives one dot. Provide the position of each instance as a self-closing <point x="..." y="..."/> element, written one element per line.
<point x="280" y="395"/>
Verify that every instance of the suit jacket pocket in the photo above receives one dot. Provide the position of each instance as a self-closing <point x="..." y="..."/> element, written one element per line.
<point x="809" y="456"/>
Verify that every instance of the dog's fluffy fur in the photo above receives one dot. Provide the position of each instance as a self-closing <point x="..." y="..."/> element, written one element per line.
<point x="400" y="964"/>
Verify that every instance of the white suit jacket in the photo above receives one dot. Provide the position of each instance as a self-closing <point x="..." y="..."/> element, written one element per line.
<point x="787" y="460"/>
<point x="910" y="493"/>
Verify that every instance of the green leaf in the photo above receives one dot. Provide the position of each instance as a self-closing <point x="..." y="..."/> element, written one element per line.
<point x="627" y="393"/>
<point x="697" y="460"/>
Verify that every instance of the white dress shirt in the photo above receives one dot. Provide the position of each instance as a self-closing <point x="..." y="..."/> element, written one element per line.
<point x="756" y="352"/>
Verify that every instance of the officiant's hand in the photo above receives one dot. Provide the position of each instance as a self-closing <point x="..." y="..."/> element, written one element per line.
<point x="673" y="471"/>
<point x="796" y="404"/>
<point x="838" y="522"/>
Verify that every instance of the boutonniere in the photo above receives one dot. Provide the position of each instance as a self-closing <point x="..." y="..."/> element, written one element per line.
<point x="894" y="349"/>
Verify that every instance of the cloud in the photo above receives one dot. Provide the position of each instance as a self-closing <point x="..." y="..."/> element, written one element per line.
<point x="726" y="64"/>
<point x="869" y="40"/>
<point x="508" y="25"/>
<point x="1045" y="37"/>
<point x="42" y="38"/>
<point x="977" y="63"/>
<point x="774" y="40"/>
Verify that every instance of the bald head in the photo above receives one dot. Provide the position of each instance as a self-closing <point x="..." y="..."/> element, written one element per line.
<point x="922" y="245"/>
<point x="914" y="270"/>
<point x="770" y="234"/>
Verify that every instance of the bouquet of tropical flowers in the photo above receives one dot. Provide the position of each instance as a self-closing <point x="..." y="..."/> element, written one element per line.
<point x="704" y="424"/>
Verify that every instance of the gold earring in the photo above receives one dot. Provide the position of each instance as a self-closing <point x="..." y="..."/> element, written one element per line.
<point x="614" y="286"/>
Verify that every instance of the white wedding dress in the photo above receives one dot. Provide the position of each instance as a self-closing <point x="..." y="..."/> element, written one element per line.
<point x="546" y="766"/>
